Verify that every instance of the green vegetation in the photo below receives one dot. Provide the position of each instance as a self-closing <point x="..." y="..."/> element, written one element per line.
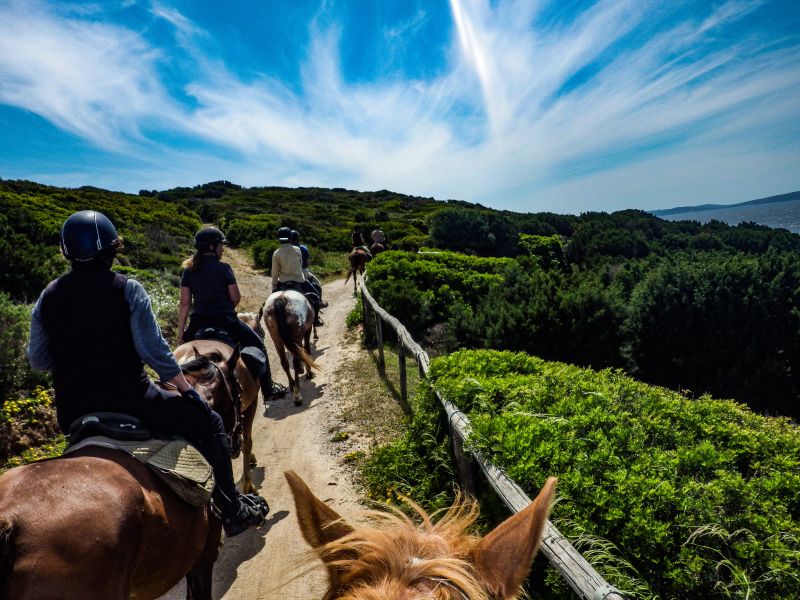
<point x="709" y="308"/>
<point x="676" y="497"/>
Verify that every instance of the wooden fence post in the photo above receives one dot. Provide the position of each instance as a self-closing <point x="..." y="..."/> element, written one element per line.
<point x="401" y="358"/>
<point x="379" y="339"/>
<point x="365" y="309"/>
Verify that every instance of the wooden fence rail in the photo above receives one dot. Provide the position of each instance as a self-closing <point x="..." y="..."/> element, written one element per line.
<point x="587" y="583"/>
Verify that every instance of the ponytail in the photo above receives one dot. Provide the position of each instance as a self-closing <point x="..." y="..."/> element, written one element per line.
<point x="193" y="262"/>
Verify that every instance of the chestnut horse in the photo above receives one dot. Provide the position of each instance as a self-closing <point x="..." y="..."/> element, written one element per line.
<point x="396" y="558"/>
<point x="237" y="405"/>
<point x="358" y="262"/>
<point x="289" y="318"/>
<point x="97" y="524"/>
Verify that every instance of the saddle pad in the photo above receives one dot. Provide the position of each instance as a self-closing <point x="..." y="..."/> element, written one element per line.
<point x="179" y="464"/>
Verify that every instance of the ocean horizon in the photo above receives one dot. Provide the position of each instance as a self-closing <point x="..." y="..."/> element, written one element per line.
<point x="780" y="215"/>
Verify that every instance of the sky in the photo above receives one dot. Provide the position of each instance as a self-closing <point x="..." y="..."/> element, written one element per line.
<point x="564" y="106"/>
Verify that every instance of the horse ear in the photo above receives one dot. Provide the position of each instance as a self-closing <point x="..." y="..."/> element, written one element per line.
<point x="319" y="523"/>
<point x="196" y="351"/>
<point x="503" y="558"/>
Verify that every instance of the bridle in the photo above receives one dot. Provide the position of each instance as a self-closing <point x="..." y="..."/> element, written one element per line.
<point x="234" y="391"/>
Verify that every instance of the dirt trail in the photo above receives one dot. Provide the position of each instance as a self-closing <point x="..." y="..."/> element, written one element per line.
<point x="257" y="565"/>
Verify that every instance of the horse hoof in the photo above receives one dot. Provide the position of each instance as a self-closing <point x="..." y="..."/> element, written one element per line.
<point x="298" y="402"/>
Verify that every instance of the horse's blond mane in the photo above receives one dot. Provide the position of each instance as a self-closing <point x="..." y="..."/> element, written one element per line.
<point x="394" y="554"/>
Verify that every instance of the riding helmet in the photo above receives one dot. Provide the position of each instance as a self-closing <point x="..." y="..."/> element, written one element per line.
<point x="86" y="234"/>
<point x="208" y="236"/>
<point x="294" y="235"/>
<point x="284" y="234"/>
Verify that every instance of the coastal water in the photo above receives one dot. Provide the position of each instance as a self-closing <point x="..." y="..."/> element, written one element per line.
<point x="777" y="214"/>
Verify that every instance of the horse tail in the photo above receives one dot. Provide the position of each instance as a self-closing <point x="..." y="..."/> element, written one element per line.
<point x="286" y="334"/>
<point x="6" y="554"/>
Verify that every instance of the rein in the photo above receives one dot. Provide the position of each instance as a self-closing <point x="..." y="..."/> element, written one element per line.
<point x="234" y="390"/>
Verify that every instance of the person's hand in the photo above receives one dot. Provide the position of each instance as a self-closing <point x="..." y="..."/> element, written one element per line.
<point x="191" y="394"/>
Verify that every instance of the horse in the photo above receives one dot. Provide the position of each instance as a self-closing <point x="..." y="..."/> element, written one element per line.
<point x="358" y="262"/>
<point x="289" y="318"/>
<point x="97" y="524"/>
<point x="396" y="558"/>
<point x="376" y="249"/>
<point x="238" y="406"/>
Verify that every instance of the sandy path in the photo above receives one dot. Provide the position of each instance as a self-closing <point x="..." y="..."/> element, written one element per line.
<point x="258" y="564"/>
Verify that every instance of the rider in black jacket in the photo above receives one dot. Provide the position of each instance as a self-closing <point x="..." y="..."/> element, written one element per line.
<point x="209" y="288"/>
<point x="93" y="325"/>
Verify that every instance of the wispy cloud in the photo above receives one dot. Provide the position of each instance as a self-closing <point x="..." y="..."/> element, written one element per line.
<point x="599" y="110"/>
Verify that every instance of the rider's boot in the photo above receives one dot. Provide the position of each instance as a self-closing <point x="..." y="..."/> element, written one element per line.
<point x="239" y="511"/>
<point x="269" y="389"/>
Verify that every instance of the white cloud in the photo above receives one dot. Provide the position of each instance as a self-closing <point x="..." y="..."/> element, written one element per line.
<point x="506" y="124"/>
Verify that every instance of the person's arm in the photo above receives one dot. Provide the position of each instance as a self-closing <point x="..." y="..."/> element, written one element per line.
<point x="38" y="342"/>
<point x="183" y="310"/>
<point x="150" y="345"/>
<point x="235" y="294"/>
<point x="276" y="269"/>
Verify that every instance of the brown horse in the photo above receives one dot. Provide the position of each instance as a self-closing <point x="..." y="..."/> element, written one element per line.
<point x="289" y="318"/>
<point x="439" y="560"/>
<point x="97" y="524"/>
<point x="376" y="249"/>
<point x="235" y="398"/>
<point x="358" y="262"/>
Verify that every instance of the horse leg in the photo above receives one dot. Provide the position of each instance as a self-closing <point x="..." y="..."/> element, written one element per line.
<point x="248" y="458"/>
<point x="281" y="351"/>
<point x="198" y="580"/>
<point x="307" y="346"/>
<point x="298" y="366"/>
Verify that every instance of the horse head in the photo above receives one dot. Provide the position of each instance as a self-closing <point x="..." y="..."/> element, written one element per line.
<point x="214" y="378"/>
<point x="397" y="558"/>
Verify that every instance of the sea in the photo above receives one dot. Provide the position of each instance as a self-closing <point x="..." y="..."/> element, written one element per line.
<point x="784" y="215"/>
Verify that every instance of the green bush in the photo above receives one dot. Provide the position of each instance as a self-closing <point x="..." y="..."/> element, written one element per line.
<point x="727" y="325"/>
<point x="675" y="498"/>
<point x="15" y="372"/>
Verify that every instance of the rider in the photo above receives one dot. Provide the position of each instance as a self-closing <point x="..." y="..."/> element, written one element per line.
<point x="310" y="277"/>
<point x="378" y="237"/>
<point x="358" y="241"/>
<point x="287" y="271"/>
<point x="211" y="284"/>
<point x="93" y="326"/>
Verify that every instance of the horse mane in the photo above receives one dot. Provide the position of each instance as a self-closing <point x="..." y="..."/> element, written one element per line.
<point x="395" y="552"/>
<point x="201" y="363"/>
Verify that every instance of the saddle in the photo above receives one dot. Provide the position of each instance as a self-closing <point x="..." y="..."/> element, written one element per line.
<point x="215" y="333"/>
<point x="176" y="462"/>
<point x="254" y="359"/>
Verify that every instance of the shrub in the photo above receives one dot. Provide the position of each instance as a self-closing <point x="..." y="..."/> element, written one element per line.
<point x="15" y="372"/>
<point x="688" y="498"/>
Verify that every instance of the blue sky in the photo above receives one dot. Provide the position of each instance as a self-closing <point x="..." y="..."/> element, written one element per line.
<point x="526" y="105"/>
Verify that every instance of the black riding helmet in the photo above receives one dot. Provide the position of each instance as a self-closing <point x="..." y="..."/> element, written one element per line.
<point x="294" y="236"/>
<point x="87" y="234"/>
<point x="208" y="236"/>
<point x="284" y="234"/>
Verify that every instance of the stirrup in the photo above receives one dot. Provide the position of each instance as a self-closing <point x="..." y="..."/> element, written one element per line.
<point x="278" y="392"/>
<point x="252" y="511"/>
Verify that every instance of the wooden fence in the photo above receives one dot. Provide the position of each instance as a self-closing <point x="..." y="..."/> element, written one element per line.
<point x="587" y="583"/>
